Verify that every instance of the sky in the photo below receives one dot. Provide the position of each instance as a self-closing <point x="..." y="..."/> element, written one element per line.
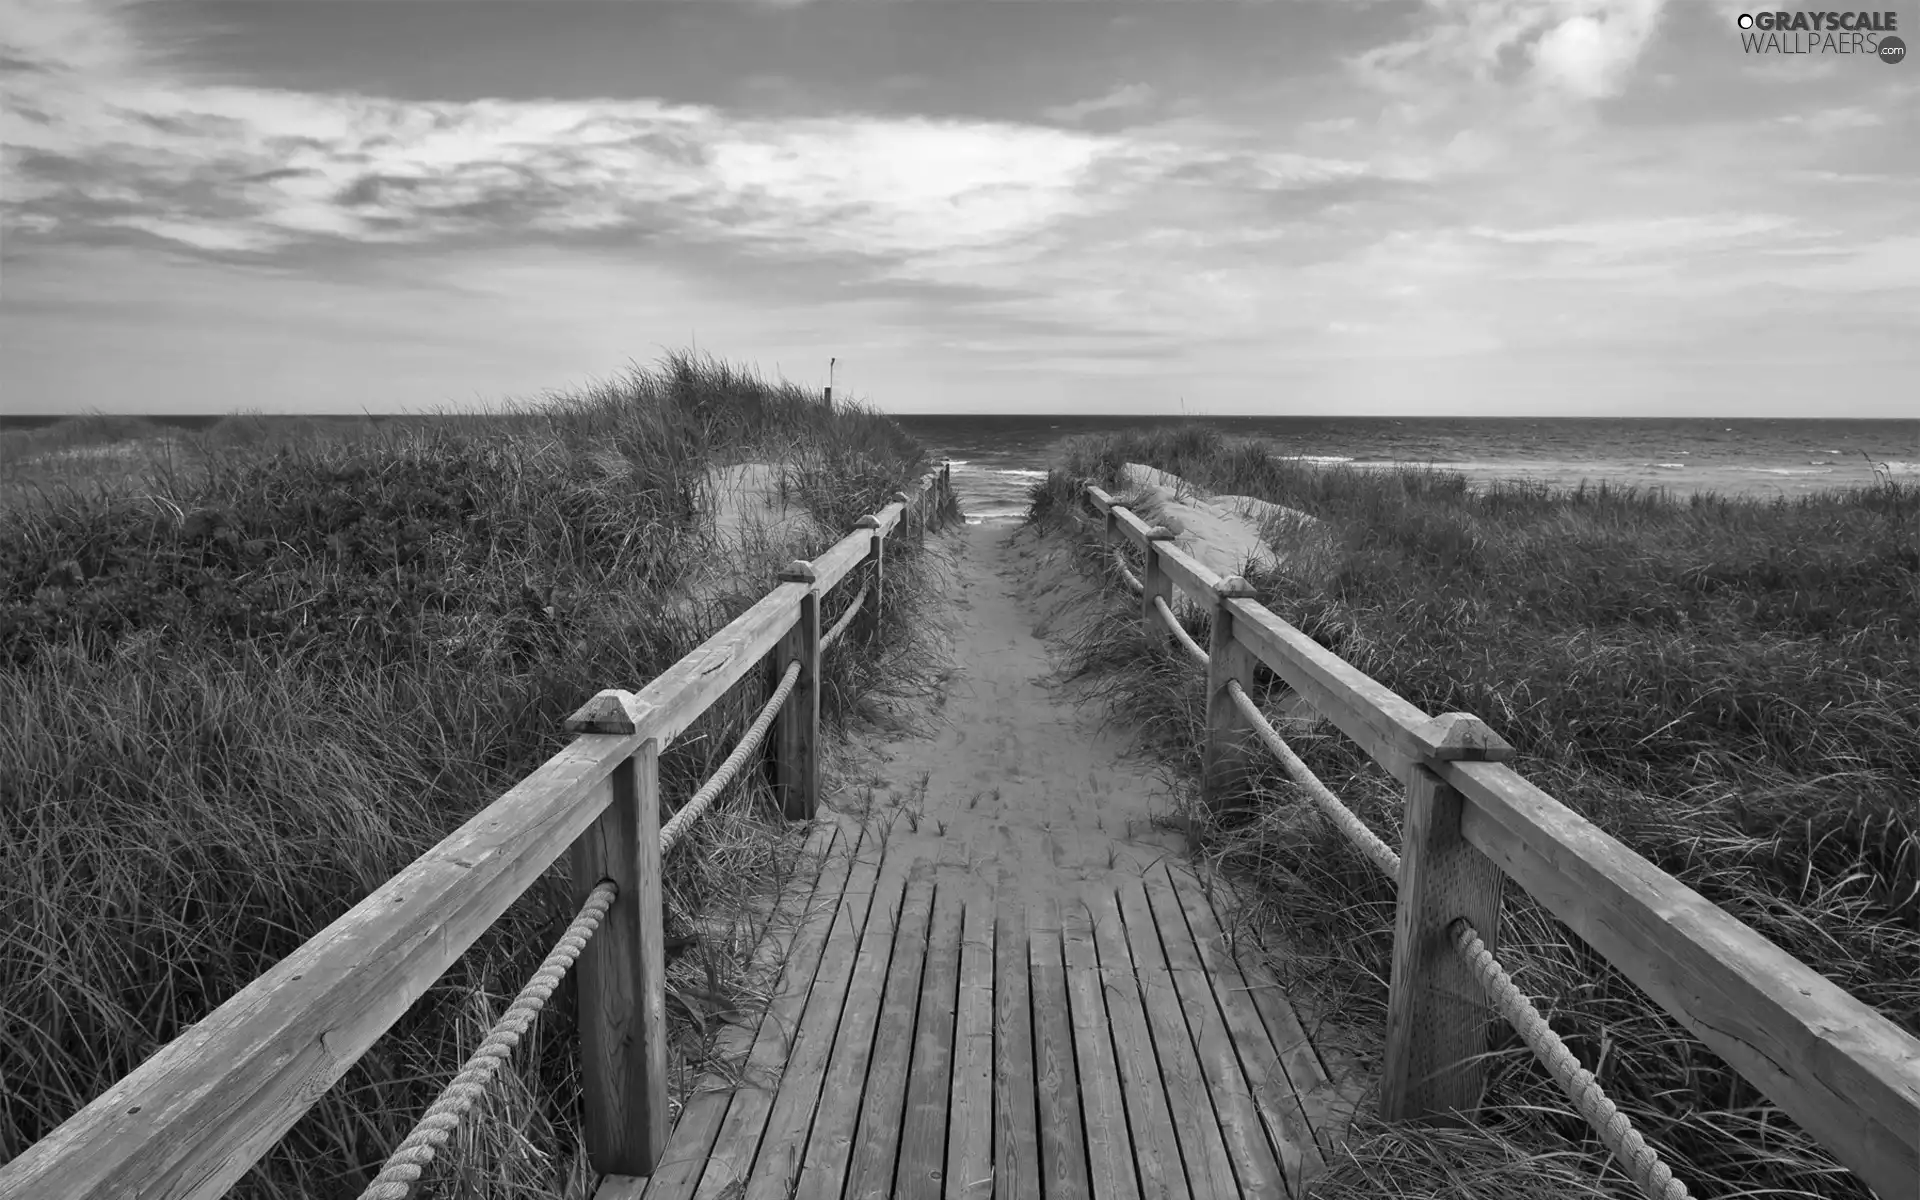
<point x="1365" y="207"/>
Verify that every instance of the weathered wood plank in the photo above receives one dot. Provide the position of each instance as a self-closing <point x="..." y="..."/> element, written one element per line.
<point x="1112" y="1174"/>
<point x="1208" y="1167"/>
<point x="706" y="1107"/>
<point x="740" y="1137"/>
<point x="683" y="692"/>
<point x="970" y="1141"/>
<point x="1131" y="526"/>
<point x="777" y="1168"/>
<point x="838" y="561"/>
<point x="792" y="747"/>
<point x="1241" y="1124"/>
<point x="1156" y="1146"/>
<point x="197" y="1114"/>
<point x="823" y="1169"/>
<point x="923" y="1137"/>
<point x="1288" y="1129"/>
<point x="622" y="976"/>
<point x="1016" y="1142"/>
<point x="876" y="1147"/>
<point x="1063" y="1137"/>
<point x="1847" y="1074"/>
<point x="1191" y="575"/>
<point x="1225" y="757"/>
<point x="1437" y="1013"/>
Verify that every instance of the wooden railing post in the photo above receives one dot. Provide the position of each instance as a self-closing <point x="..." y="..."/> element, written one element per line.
<point x="876" y="574"/>
<point x="1155" y="583"/>
<point x="1437" y="1012"/>
<point x="793" y="762"/>
<point x="622" y="976"/>
<point x="1224" y="761"/>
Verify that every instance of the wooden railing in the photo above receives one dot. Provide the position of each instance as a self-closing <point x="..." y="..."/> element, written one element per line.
<point x="196" y="1115"/>
<point x="1847" y="1074"/>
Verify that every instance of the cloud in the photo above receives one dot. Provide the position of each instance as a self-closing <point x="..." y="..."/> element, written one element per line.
<point x="1590" y="54"/>
<point x="1120" y="99"/>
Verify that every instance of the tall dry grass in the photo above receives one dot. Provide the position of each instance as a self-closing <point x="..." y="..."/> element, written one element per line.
<point x="1729" y="686"/>
<point x="247" y="682"/>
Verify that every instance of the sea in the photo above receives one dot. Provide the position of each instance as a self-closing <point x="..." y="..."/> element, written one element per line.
<point x="996" y="459"/>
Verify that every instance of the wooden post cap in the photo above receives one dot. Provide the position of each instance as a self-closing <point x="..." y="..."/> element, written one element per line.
<point x="612" y="711"/>
<point x="1160" y="533"/>
<point x="867" y="522"/>
<point x="1462" y="737"/>
<point x="1233" y="587"/>
<point x="798" y="571"/>
<point x="903" y="498"/>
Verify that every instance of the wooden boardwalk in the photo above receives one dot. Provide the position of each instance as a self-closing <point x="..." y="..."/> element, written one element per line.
<point x="943" y="1030"/>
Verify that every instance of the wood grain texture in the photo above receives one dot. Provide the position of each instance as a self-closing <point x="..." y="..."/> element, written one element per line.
<point x="1016" y="1121"/>
<point x="793" y="744"/>
<point x="803" y="1077"/>
<point x="970" y="1139"/>
<point x="876" y="1145"/>
<point x="683" y="692"/>
<point x="1846" y="1073"/>
<point x="198" y="1113"/>
<point x="622" y="976"/>
<point x="1156" y="1144"/>
<point x="923" y="1135"/>
<point x="1437" y="1015"/>
<point x="1112" y="1173"/>
<point x="1063" y="1137"/>
<point x="1202" y="1147"/>
<point x="1241" y="1124"/>
<point x="1188" y="573"/>
<point x="1227" y="752"/>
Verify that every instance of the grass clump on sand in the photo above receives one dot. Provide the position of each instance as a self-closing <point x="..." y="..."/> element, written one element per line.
<point x="1729" y="686"/>
<point x="245" y="685"/>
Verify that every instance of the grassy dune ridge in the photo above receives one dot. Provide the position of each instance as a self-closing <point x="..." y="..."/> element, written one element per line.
<point x="248" y="675"/>
<point x="1731" y="687"/>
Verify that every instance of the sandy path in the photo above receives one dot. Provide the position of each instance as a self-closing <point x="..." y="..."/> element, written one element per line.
<point x="1015" y="784"/>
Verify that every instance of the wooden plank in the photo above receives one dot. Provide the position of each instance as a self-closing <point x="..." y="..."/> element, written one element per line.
<point x="1156" y="1145"/>
<point x="1274" y="1089"/>
<point x="777" y="1167"/>
<point x="1101" y="498"/>
<point x="739" y="1140"/>
<point x="876" y="1146"/>
<point x="706" y="1107"/>
<point x="1192" y="576"/>
<point x="1016" y="1123"/>
<point x="1110" y="1156"/>
<point x="1846" y="1073"/>
<point x="1063" y="1135"/>
<point x="683" y="692"/>
<point x="791" y="751"/>
<point x="923" y="1137"/>
<point x="622" y="976"/>
<point x="1225" y="757"/>
<point x="1437" y="1014"/>
<point x="1367" y="711"/>
<point x="889" y="517"/>
<point x="823" y="1169"/>
<point x="1242" y="1126"/>
<point x="838" y="561"/>
<point x="970" y="1141"/>
<point x="198" y="1113"/>
<point x="1203" y="1149"/>
<point x="1129" y="524"/>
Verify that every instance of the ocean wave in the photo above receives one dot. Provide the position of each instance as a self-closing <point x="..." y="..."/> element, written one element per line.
<point x="1314" y="458"/>
<point x="1902" y="468"/>
<point x="1667" y="466"/>
<point x="1786" y="470"/>
<point x="1021" y="473"/>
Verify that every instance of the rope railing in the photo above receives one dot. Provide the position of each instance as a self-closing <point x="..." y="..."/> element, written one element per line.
<point x="411" y="1158"/>
<point x="413" y="1155"/>
<point x="1650" y="1175"/>
<point x="1126" y="573"/>
<point x="846" y="619"/>
<point x="1180" y="634"/>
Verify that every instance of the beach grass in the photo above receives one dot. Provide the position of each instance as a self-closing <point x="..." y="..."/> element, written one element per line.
<point x="1729" y="686"/>
<point x="249" y="674"/>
